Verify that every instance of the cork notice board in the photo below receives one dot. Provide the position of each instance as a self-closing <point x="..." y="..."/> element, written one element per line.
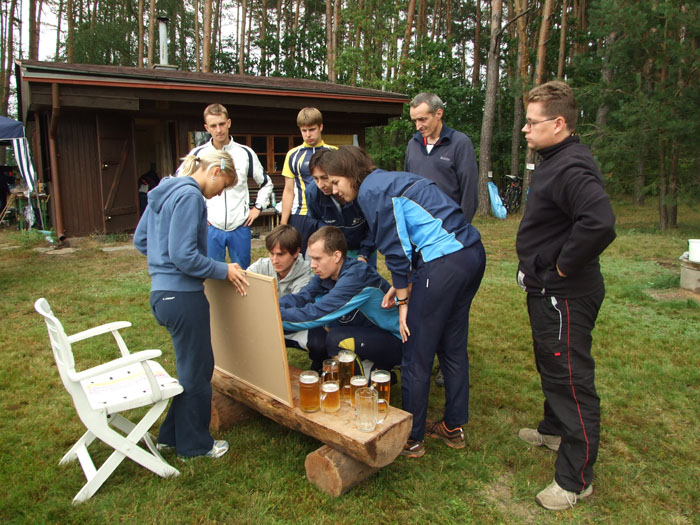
<point x="247" y="336"/>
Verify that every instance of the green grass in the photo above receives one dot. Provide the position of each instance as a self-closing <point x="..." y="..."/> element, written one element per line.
<point x="648" y="376"/>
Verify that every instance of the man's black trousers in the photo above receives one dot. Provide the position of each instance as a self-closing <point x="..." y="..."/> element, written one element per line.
<point x="561" y="334"/>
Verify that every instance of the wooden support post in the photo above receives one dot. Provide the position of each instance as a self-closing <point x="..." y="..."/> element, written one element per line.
<point x="225" y="412"/>
<point x="334" y="472"/>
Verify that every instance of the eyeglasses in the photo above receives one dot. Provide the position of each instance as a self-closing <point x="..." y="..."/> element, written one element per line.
<point x="529" y="123"/>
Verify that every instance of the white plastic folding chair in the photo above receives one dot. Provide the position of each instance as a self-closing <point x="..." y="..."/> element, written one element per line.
<point x="101" y="393"/>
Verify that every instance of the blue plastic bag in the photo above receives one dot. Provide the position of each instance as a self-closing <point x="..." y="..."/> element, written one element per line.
<point x="497" y="208"/>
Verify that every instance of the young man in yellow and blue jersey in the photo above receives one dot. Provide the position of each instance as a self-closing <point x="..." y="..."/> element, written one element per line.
<point x="298" y="177"/>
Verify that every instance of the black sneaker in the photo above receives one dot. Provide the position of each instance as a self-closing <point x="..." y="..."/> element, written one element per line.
<point x="413" y="449"/>
<point x="453" y="438"/>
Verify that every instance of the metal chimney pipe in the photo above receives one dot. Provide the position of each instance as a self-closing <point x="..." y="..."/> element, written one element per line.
<point x="163" y="38"/>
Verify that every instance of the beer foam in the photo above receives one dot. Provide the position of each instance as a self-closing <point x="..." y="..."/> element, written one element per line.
<point x="329" y="387"/>
<point x="358" y="381"/>
<point x="381" y="377"/>
<point x="308" y="380"/>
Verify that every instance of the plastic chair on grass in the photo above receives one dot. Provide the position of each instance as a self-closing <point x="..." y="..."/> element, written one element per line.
<point x="101" y="393"/>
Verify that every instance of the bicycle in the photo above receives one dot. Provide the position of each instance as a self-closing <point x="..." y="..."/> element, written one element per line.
<point x="512" y="194"/>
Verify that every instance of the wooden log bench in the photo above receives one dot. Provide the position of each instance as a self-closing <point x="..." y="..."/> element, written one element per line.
<point x="348" y="456"/>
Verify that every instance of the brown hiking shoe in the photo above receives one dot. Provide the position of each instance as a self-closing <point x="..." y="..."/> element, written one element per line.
<point x="532" y="436"/>
<point x="413" y="449"/>
<point x="453" y="438"/>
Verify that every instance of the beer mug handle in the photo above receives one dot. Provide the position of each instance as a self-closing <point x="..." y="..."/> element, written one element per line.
<point x="379" y="402"/>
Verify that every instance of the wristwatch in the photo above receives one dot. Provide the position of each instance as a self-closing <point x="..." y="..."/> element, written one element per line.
<point x="258" y="206"/>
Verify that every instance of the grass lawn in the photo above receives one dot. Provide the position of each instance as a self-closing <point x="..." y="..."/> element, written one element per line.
<point x="647" y="350"/>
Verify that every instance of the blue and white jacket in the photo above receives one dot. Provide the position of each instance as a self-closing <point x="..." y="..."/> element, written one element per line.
<point x="412" y="220"/>
<point x="323" y="301"/>
<point x="348" y="217"/>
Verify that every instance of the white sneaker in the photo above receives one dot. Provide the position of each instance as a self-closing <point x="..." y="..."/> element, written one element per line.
<point x="556" y="498"/>
<point x="219" y="449"/>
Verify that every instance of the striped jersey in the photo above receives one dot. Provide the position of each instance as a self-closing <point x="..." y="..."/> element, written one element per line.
<point x="296" y="166"/>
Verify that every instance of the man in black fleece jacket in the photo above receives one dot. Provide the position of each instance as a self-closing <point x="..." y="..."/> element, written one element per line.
<point x="567" y="224"/>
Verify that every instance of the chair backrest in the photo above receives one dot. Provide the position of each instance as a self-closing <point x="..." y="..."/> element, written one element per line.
<point x="61" y="347"/>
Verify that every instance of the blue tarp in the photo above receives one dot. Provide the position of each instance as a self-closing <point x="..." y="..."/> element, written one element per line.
<point x="497" y="208"/>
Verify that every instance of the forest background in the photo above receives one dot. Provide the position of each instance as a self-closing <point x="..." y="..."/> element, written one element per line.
<point x="634" y="65"/>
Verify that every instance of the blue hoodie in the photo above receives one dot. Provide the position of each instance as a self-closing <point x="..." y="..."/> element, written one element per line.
<point x="172" y="233"/>
<point x="412" y="220"/>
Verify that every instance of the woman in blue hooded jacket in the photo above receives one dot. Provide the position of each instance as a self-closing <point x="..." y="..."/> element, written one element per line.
<point x="172" y="233"/>
<point x="436" y="261"/>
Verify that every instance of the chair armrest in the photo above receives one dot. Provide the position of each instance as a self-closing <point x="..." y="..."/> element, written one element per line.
<point x="127" y="360"/>
<point x="98" y="330"/>
<point x="103" y="329"/>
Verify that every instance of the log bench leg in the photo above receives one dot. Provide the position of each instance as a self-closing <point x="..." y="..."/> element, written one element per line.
<point x="225" y="412"/>
<point x="334" y="472"/>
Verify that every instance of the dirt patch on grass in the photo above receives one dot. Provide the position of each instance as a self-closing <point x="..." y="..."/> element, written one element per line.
<point x="678" y="294"/>
<point x="500" y="494"/>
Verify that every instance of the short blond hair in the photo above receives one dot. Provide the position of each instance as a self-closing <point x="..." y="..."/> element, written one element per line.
<point x="309" y="117"/>
<point x="215" y="109"/>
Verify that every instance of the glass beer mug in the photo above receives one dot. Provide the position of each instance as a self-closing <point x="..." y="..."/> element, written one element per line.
<point x="381" y="382"/>
<point x="367" y="404"/>
<point x="356" y="382"/>
<point x="330" y="396"/>
<point x="309" y="391"/>
<point x="346" y="369"/>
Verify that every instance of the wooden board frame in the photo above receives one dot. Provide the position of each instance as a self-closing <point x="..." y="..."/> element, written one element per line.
<point x="247" y="336"/>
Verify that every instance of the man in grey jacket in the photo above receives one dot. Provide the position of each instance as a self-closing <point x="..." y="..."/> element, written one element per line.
<point x="285" y="264"/>
<point x="442" y="154"/>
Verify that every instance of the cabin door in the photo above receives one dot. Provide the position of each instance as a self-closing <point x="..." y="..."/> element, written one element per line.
<point x="117" y="173"/>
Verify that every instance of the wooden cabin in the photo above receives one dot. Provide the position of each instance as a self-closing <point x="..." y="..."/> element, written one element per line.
<point x="96" y="129"/>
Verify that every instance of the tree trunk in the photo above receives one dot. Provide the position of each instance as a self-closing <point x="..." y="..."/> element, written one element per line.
<point x="59" y="16"/>
<point x="542" y="43"/>
<point x="264" y="52"/>
<point x="640" y="182"/>
<point x="206" y="37"/>
<point x="516" y="133"/>
<point x="562" y="40"/>
<point x="7" y="58"/>
<point x="663" y="188"/>
<point x="139" y="53"/>
<point x="334" y="41"/>
<point x="151" y="33"/>
<point x="197" y="38"/>
<point x="70" y="20"/>
<point x="476" y="80"/>
<point x="601" y="118"/>
<point x="673" y="187"/>
<point x="215" y="35"/>
<point x="489" y="108"/>
<point x="33" y="30"/>
<point x="241" y="39"/>
<point x="524" y="65"/>
<point x="410" y="12"/>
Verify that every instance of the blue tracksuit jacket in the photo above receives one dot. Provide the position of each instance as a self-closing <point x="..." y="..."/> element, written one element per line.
<point x="323" y="301"/>
<point x="329" y="212"/>
<point x="412" y="219"/>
